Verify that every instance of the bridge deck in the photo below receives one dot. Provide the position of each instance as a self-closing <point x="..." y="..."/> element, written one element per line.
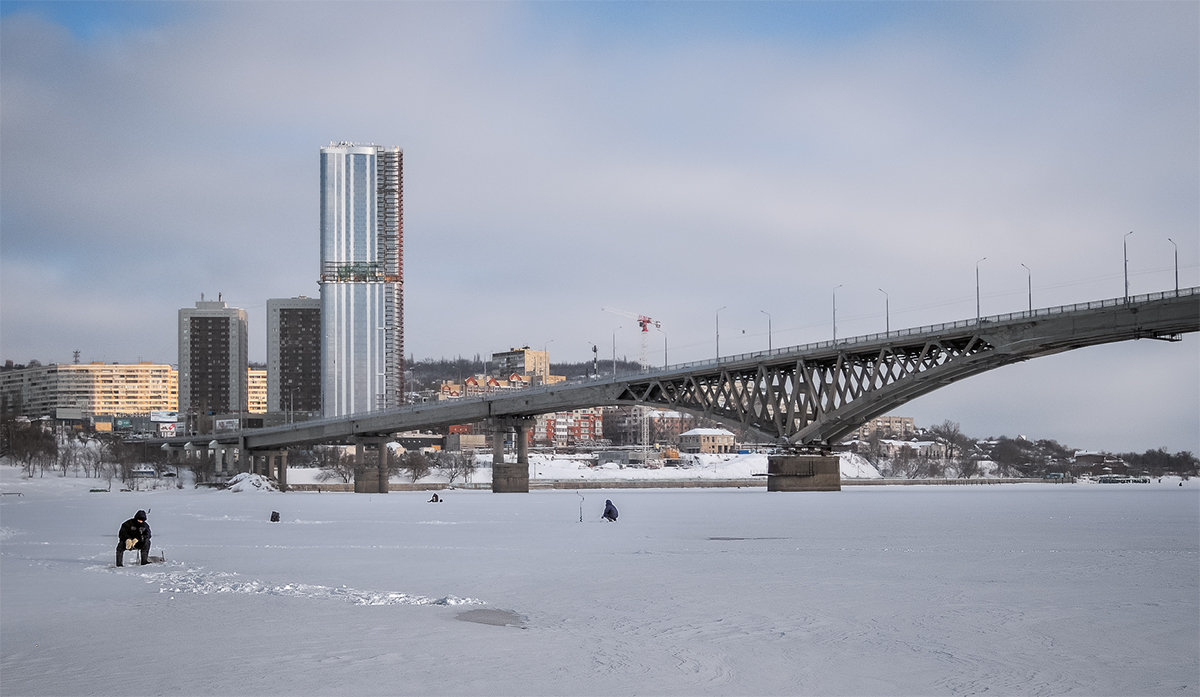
<point x="809" y="394"/>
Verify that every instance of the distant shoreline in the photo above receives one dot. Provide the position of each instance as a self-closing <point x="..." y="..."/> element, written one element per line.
<point x="754" y="483"/>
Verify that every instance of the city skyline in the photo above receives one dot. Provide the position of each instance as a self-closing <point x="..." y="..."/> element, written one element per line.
<point x="738" y="172"/>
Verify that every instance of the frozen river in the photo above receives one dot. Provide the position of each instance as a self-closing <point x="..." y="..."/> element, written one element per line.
<point x="1024" y="589"/>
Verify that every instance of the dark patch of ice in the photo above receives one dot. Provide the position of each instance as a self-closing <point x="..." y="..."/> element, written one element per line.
<point x="499" y="618"/>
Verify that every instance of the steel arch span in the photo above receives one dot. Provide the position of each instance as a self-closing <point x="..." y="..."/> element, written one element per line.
<point x="816" y="395"/>
<point x="804" y="396"/>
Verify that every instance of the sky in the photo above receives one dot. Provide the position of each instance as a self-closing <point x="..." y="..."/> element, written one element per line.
<point x="736" y="171"/>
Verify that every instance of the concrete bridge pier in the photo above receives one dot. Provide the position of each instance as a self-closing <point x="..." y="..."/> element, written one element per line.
<point x="370" y="465"/>
<point x="220" y="455"/>
<point x="172" y="453"/>
<point x="511" y="478"/>
<point x="804" y="472"/>
<point x="271" y="463"/>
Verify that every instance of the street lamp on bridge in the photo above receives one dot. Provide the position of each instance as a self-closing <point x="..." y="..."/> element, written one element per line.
<point x="717" y="315"/>
<point x="977" y="313"/>
<point x="615" y="350"/>
<point x="887" y="312"/>
<point x="1176" y="264"/>
<point x="1029" y="285"/>
<point x="1125" y="250"/>
<point x="835" y="311"/>
<point x="768" y="314"/>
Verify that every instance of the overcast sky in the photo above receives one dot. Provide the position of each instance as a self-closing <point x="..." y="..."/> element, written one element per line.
<point x="714" y="166"/>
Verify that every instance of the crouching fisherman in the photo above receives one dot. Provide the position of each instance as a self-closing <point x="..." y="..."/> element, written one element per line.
<point x="610" y="511"/>
<point x="134" y="534"/>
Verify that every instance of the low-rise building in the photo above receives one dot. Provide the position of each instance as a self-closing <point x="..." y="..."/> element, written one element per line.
<point x="706" y="440"/>
<point x="569" y="428"/>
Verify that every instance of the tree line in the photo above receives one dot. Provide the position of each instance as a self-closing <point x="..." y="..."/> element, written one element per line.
<point x="1013" y="457"/>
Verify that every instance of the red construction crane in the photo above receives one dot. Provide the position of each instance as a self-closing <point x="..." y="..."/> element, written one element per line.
<point x="645" y="323"/>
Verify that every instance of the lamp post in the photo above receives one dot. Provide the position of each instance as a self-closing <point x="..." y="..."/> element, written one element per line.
<point x="1029" y="285"/>
<point x="977" y="313"/>
<point x="1125" y="250"/>
<point x="717" y="316"/>
<point x="615" y="351"/>
<point x="887" y="312"/>
<point x="835" y="311"/>
<point x="1176" y="265"/>
<point x="768" y="314"/>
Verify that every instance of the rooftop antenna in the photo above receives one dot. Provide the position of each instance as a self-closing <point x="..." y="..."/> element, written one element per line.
<point x="76" y="352"/>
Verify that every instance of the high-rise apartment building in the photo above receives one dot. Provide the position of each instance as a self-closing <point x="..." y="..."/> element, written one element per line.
<point x="294" y="355"/>
<point x="212" y="358"/>
<point x="362" y="282"/>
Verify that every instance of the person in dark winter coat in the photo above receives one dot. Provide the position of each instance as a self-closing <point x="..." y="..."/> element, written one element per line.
<point x="610" y="511"/>
<point x="134" y="534"/>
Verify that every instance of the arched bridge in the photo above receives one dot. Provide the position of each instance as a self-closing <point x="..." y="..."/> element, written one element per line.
<point x="810" y="395"/>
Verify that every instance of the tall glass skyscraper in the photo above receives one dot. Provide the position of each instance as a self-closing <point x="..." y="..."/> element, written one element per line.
<point x="362" y="281"/>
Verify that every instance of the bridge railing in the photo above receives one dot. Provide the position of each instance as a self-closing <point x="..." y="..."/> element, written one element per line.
<point x="932" y="329"/>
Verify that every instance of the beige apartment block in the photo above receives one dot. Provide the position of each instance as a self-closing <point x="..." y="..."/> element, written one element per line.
<point x="887" y="427"/>
<point x="256" y="391"/>
<point x="96" y="389"/>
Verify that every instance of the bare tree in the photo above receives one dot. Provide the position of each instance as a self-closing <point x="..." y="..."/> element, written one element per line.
<point x="415" y="464"/>
<point x="967" y="467"/>
<point x="32" y="446"/>
<point x="455" y="464"/>
<point x="335" y="463"/>
<point x="70" y="455"/>
<point x="92" y="458"/>
<point x="203" y="468"/>
<point x="957" y="444"/>
<point x="874" y="447"/>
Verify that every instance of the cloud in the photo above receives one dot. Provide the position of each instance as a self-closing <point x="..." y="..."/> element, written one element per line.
<point x="561" y="158"/>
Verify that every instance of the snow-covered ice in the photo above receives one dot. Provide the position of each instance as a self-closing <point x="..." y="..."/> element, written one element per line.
<point x="886" y="590"/>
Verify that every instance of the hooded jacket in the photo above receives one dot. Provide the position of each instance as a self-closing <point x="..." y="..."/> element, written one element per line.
<point x="135" y="528"/>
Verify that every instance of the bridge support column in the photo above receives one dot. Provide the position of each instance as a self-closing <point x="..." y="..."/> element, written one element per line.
<point x="511" y="478"/>
<point x="217" y="452"/>
<point x="273" y="464"/>
<point x="370" y="466"/>
<point x="385" y="464"/>
<point x="796" y="472"/>
<point x="499" y="433"/>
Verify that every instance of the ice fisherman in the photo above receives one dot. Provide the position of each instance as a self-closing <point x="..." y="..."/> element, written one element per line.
<point x="610" y="511"/>
<point x="134" y="534"/>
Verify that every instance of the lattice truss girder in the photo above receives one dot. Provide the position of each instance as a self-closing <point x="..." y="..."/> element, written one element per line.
<point x="780" y="400"/>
